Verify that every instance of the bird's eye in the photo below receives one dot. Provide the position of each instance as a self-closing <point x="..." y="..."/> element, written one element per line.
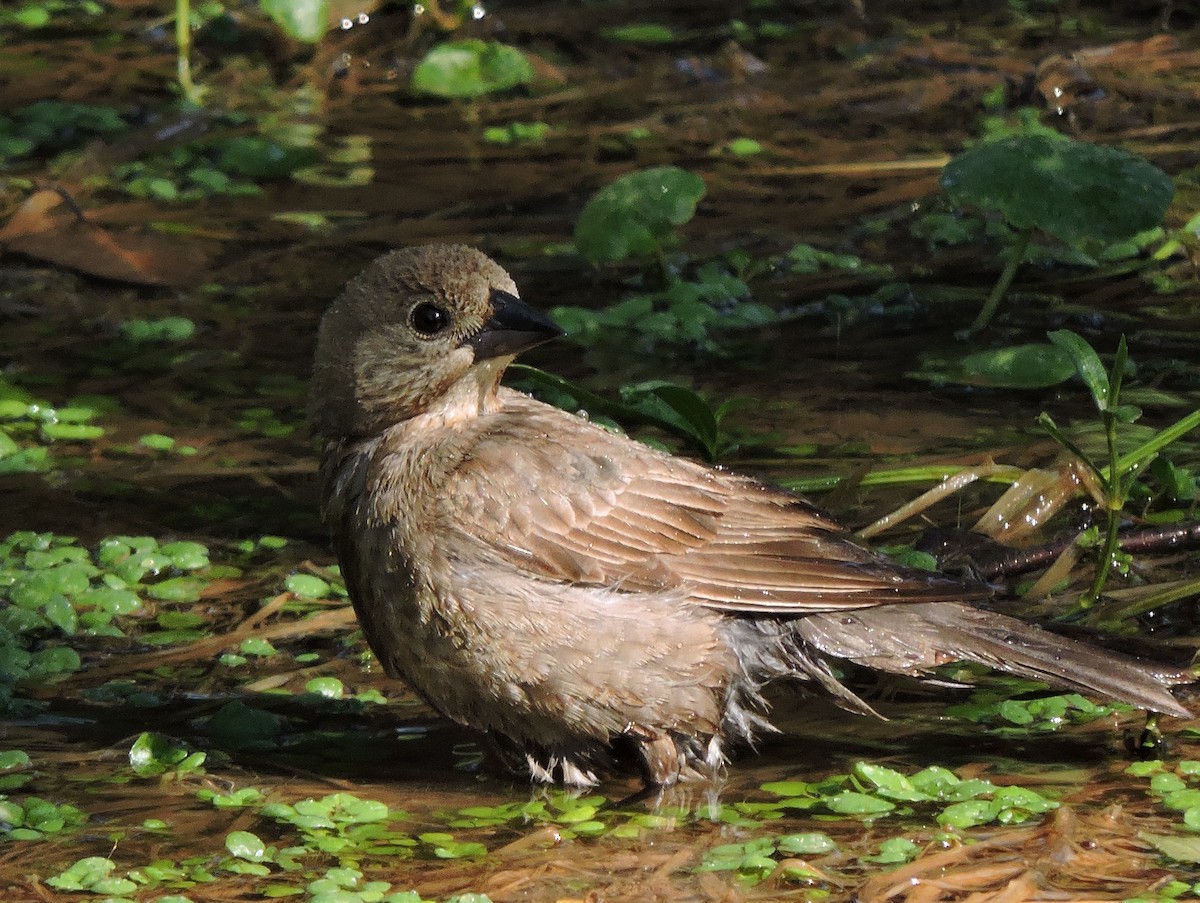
<point x="429" y="319"/>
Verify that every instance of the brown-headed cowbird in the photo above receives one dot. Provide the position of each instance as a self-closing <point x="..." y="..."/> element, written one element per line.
<point x="573" y="591"/>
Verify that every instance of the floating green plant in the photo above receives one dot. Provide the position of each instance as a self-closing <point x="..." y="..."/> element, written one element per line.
<point x="636" y="216"/>
<point x="471" y="68"/>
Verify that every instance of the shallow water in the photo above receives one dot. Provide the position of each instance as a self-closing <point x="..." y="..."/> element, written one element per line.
<point x="857" y="116"/>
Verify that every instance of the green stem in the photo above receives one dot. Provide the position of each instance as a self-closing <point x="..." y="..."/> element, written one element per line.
<point x="1159" y="441"/>
<point x="1114" y="502"/>
<point x="183" y="47"/>
<point x="1010" y="270"/>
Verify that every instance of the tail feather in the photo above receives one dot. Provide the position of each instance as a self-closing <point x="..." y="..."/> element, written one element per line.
<point x="911" y="639"/>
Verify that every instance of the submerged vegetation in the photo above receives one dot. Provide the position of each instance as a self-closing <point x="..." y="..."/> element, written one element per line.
<point x="765" y="229"/>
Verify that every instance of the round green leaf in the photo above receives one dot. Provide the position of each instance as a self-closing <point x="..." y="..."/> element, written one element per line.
<point x="305" y="20"/>
<point x="307" y="586"/>
<point x="245" y="845"/>
<point x="471" y="68"/>
<point x="635" y="216"/>
<point x="329" y="687"/>
<point x="809" y="843"/>
<point x="177" y="589"/>
<point x="1069" y="189"/>
<point x="237" y="724"/>
<point x="851" y="803"/>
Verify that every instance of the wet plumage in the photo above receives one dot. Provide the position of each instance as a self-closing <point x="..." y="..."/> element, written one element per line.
<point x="568" y="589"/>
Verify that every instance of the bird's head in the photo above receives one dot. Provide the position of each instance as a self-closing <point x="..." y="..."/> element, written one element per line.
<point x="420" y="327"/>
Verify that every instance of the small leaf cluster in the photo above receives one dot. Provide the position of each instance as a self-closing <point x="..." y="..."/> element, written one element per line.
<point x="228" y="167"/>
<point x="1005" y="715"/>
<point x="51" y="125"/>
<point x="263" y="421"/>
<point x="56" y="588"/>
<point x="575" y="815"/>
<point x="870" y="791"/>
<point x="755" y="860"/>
<point x="23" y="417"/>
<point x="684" y="313"/>
<point x="517" y="133"/>
<point x="343" y="824"/>
<point x="805" y="259"/>
<point x="33" y="818"/>
<point x="98" y="875"/>
<point x="1177" y="788"/>
<point x="153" y="755"/>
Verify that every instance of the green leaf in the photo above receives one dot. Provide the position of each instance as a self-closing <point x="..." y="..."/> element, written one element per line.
<point x="967" y="814"/>
<point x="894" y="850"/>
<point x="1181" y="849"/>
<point x="186" y="556"/>
<point x="788" y="788"/>
<point x="14" y="758"/>
<point x="153" y="753"/>
<point x="52" y="661"/>
<point x="649" y="33"/>
<point x="888" y="782"/>
<point x="852" y="803"/>
<point x="1120" y="360"/>
<point x="471" y="68"/>
<point x="678" y="409"/>
<point x="307" y="586"/>
<point x="83" y="875"/>
<point x="1178" y="484"/>
<point x="72" y="432"/>
<point x="237" y="724"/>
<point x="1069" y="189"/>
<point x="260" y="158"/>
<point x="635" y="216"/>
<point x="810" y="843"/>
<point x="245" y="845"/>
<point x="304" y="20"/>
<point x="1087" y="364"/>
<point x="329" y="687"/>
<point x="744" y="147"/>
<point x="177" y="589"/>
<point x="168" y="329"/>
<point x="1032" y="366"/>
<point x="157" y="442"/>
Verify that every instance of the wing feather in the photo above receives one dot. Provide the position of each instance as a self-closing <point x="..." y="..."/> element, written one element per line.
<point x="570" y="501"/>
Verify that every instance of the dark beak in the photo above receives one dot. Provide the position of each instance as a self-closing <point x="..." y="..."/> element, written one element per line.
<point x="514" y="327"/>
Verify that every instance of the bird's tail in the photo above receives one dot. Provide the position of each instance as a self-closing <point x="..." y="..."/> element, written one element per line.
<point x="911" y="639"/>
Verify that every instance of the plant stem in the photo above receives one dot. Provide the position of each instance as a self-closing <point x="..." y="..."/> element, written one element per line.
<point x="1006" y="277"/>
<point x="183" y="48"/>
<point x="1114" y="502"/>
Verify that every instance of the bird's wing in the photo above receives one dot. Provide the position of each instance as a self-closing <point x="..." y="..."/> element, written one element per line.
<point x="566" y="500"/>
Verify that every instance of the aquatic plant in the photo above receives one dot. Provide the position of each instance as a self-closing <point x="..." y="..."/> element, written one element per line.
<point x="1079" y="193"/>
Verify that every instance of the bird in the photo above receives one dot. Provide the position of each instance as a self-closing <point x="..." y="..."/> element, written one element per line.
<point x="582" y="598"/>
